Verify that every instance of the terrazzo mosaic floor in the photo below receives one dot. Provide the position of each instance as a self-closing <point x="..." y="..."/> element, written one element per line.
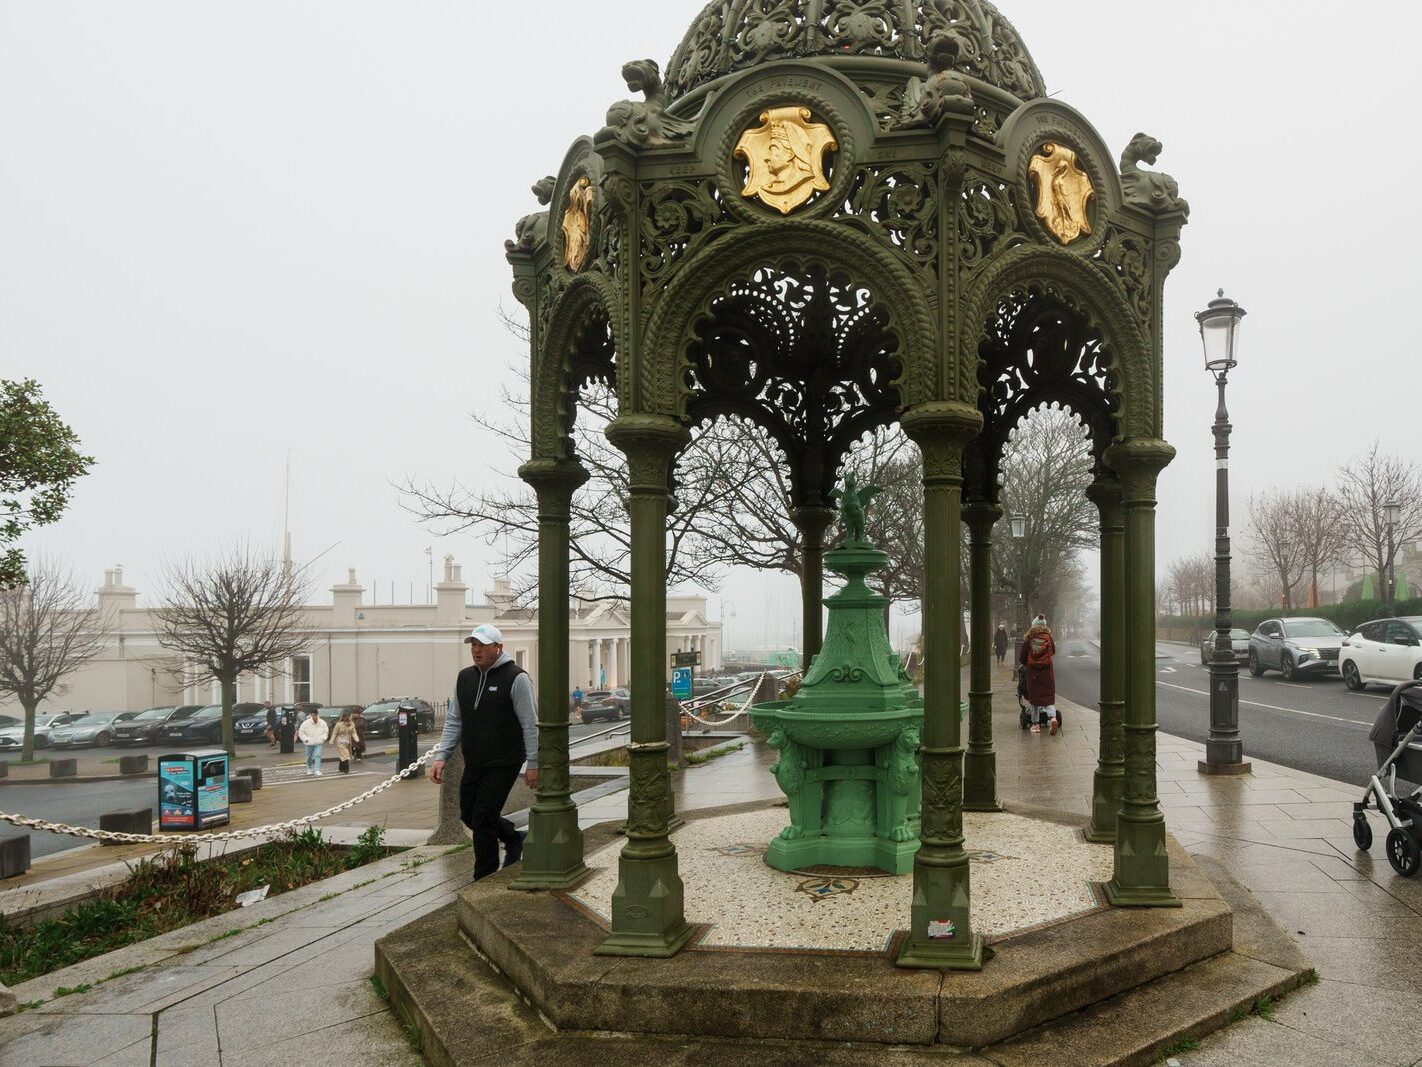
<point x="1026" y="873"/>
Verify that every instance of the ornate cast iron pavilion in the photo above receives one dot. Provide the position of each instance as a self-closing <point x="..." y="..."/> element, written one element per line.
<point x="827" y="216"/>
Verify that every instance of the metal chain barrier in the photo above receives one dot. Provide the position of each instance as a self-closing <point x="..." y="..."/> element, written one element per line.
<point x="744" y="707"/>
<point x="230" y="835"/>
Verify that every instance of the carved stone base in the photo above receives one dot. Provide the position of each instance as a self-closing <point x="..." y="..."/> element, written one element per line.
<point x="1142" y="864"/>
<point x="553" y="853"/>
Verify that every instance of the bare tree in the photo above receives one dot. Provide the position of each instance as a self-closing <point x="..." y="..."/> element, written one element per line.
<point x="49" y="628"/>
<point x="1047" y="468"/>
<point x="1365" y="487"/>
<point x="1320" y="533"/>
<point x="1273" y="543"/>
<point x="241" y="613"/>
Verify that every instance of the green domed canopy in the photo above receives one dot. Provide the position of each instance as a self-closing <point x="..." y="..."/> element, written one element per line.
<point x="731" y="35"/>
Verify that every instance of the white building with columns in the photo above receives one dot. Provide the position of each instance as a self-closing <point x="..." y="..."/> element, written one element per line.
<point x="360" y="652"/>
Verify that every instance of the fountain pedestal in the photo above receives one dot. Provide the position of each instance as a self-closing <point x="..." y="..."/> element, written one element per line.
<point x="848" y="739"/>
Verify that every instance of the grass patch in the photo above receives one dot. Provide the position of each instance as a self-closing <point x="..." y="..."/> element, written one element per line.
<point x="1238" y="1015"/>
<point x="1185" y="1044"/>
<point x="379" y="987"/>
<point x="170" y="891"/>
<point x="1310" y="977"/>
<point x="125" y="972"/>
<point x="458" y="848"/>
<point x="70" y="990"/>
<point x="1264" y="1008"/>
<point x="31" y="1005"/>
<point x="697" y="758"/>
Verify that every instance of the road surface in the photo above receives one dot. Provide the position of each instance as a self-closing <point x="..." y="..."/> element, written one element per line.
<point x="1316" y="726"/>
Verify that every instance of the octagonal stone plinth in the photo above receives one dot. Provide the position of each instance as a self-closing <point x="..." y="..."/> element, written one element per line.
<point x="832" y="990"/>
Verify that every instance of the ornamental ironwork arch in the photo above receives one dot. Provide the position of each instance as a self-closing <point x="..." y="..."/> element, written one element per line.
<point x="805" y="353"/>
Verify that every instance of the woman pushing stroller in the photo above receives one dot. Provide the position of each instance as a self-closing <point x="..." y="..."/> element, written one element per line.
<point x="1038" y="681"/>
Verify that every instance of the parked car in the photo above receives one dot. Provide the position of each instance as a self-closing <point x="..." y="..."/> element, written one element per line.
<point x="204" y="726"/>
<point x="1384" y="652"/>
<point x="96" y="728"/>
<point x="606" y="705"/>
<point x="424" y="712"/>
<point x="143" y="728"/>
<point x="14" y="736"/>
<point x="251" y="727"/>
<point x="1300" y="648"/>
<point x="383" y="717"/>
<point x="1237" y="637"/>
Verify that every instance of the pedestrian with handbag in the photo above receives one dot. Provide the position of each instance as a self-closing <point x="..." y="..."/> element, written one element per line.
<point x="344" y="737"/>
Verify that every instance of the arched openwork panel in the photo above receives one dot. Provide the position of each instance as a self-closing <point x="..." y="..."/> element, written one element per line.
<point x="1039" y="351"/>
<point x="905" y="308"/>
<point x="807" y="354"/>
<point x="1011" y="306"/>
<point x="580" y="346"/>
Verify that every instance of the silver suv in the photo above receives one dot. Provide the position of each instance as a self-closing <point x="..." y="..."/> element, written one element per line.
<point x="1300" y="648"/>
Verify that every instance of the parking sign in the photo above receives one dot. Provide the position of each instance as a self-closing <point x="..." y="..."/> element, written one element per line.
<point x="681" y="683"/>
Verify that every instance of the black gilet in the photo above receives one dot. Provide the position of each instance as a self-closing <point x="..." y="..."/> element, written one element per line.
<point x="490" y="733"/>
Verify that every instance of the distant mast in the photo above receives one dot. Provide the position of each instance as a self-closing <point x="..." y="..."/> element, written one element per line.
<point x="286" y="523"/>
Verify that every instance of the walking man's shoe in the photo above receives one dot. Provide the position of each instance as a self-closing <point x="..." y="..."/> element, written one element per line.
<point x="514" y="852"/>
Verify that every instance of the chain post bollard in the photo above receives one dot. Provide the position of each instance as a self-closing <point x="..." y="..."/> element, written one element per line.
<point x="450" y="829"/>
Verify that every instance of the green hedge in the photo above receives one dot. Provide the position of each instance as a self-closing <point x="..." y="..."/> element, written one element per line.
<point x="1349" y="616"/>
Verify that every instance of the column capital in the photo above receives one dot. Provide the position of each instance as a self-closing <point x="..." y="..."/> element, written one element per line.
<point x="650" y="443"/>
<point x="1105" y="493"/>
<point x="941" y="430"/>
<point x="1139" y="462"/>
<point x="553" y="475"/>
<point x="981" y="516"/>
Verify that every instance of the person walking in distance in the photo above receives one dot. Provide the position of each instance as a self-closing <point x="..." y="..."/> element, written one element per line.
<point x="312" y="733"/>
<point x="344" y="737"/>
<point x="1034" y="658"/>
<point x="358" y="746"/>
<point x="999" y="643"/>
<point x="493" y="717"/>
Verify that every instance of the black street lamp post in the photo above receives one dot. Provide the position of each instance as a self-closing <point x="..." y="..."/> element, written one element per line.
<point x="1019" y="533"/>
<point x="1224" y="749"/>
<point x="1392" y="514"/>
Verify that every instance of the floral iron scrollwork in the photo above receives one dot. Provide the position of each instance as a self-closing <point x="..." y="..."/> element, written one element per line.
<point x="1126" y="259"/>
<point x="676" y="218"/>
<point x="900" y="202"/>
<point x="1040" y="350"/>
<point x="1154" y="190"/>
<point x="644" y="123"/>
<point x="989" y="222"/>
<point x="862" y="26"/>
<point x="804" y="354"/>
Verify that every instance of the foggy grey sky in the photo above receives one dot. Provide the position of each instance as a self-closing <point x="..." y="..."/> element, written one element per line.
<point x="229" y="230"/>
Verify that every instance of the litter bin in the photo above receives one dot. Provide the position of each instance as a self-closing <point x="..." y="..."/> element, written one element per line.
<point x="192" y="790"/>
<point x="408" y="728"/>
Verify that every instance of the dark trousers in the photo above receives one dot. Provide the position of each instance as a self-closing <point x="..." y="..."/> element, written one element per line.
<point x="483" y="792"/>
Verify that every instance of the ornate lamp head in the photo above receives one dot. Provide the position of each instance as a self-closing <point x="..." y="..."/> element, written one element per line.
<point x="1219" y="331"/>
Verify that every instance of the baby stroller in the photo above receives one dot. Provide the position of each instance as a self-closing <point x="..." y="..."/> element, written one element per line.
<point x="1397" y="738"/>
<point x="1024" y="707"/>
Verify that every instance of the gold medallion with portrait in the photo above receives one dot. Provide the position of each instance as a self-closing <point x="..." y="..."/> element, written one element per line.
<point x="785" y="158"/>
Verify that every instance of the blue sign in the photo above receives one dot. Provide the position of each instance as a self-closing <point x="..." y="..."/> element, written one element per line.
<point x="681" y="683"/>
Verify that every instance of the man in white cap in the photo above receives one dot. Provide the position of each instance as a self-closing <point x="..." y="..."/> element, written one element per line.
<point x="493" y="717"/>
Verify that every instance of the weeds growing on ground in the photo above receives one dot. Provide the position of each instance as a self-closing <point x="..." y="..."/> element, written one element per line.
<point x="696" y="758"/>
<point x="1264" y="1008"/>
<point x="172" y="890"/>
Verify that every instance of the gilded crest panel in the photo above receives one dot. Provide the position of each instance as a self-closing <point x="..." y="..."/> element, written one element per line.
<point x="577" y="225"/>
<point x="785" y="158"/>
<point x="1063" y="192"/>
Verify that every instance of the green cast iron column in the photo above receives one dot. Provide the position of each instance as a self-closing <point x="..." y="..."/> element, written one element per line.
<point x="1142" y="876"/>
<point x="553" y="854"/>
<point x="647" y="913"/>
<point x="980" y="763"/>
<point x="812" y="522"/>
<point x="940" y="933"/>
<point x="1111" y="757"/>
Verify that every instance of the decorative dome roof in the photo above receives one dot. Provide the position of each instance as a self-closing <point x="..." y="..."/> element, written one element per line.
<point x="730" y="35"/>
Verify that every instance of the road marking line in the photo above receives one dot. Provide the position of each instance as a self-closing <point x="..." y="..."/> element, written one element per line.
<point x="1272" y="707"/>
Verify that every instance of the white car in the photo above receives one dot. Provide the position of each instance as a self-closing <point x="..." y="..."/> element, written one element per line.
<point x="1385" y="652"/>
